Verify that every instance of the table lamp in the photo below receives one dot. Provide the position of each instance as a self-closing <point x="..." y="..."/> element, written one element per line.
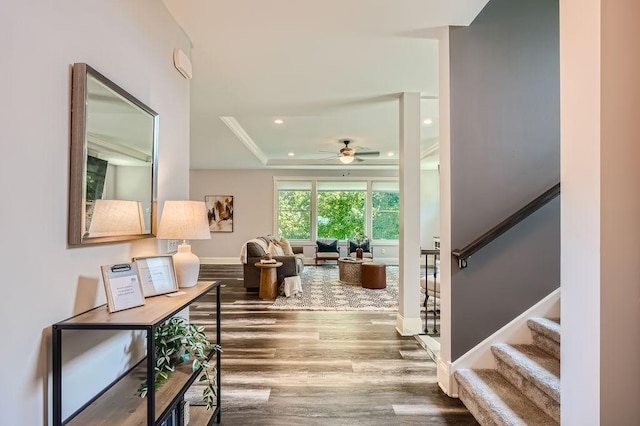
<point x="185" y="220"/>
<point x="116" y="217"/>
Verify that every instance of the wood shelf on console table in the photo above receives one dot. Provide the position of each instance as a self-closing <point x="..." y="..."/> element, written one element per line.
<point x="120" y="404"/>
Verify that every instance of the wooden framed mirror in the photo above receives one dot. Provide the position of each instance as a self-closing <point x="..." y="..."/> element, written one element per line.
<point x="113" y="162"/>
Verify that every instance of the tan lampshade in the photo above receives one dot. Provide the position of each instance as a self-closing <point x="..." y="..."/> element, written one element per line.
<point x="116" y="217"/>
<point x="184" y="220"/>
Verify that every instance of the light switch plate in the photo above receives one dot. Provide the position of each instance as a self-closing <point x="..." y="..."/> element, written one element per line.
<point x="172" y="246"/>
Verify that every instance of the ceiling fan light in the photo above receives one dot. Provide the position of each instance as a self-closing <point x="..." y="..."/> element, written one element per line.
<point x="346" y="159"/>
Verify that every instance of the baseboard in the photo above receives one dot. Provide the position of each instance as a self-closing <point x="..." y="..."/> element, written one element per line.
<point x="445" y="378"/>
<point x="408" y="326"/>
<point x="220" y="260"/>
<point x="515" y="332"/>
<point x="307" y="260"/>
<point x="390" y="261"/>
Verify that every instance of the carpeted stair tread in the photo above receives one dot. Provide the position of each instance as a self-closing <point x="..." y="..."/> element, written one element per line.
<point x="534" y="364"/>
<point x="534" y="372"/>
<point x="494" y="401"/>
<point x="547" y="327"/>
<point x="546" y="334"/>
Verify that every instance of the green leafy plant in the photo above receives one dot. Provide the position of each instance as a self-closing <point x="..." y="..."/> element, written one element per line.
<point x="176" y="342"/>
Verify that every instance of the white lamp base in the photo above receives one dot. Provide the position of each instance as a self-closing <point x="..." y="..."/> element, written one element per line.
<point x="187" y="266"/>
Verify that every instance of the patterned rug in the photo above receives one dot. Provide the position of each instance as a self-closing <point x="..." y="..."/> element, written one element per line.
<point x="322" y="291"/>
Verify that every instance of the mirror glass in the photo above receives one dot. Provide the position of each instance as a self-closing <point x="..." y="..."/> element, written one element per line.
<point x="113" y="162"/>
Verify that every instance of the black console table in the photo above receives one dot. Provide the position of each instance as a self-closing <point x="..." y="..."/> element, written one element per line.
<point x="118" y="404"/>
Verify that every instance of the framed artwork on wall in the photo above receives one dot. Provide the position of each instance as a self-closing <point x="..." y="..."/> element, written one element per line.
<point x="220" y="212"/>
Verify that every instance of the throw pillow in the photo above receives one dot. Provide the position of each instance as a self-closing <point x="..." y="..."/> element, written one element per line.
<point x="254" y="249"/>
<point x="331" y="247"/>
<point x="275" y="250"/>
<point x="286" y="247"/>
<point x="364" y="246"/>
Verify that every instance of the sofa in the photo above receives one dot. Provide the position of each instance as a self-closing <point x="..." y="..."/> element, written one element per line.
<point x="255" y="249"/>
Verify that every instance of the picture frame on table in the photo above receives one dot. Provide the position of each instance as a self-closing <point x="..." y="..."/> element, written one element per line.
<point x="157" y="275"/>
<point x="219" y="212"/>
<point x="122" y="286"/>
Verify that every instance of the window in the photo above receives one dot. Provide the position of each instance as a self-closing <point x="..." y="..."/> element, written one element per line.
<point x="341" y="209"/>
<point x="294" y="210"/>
<point x="385" y="203"/>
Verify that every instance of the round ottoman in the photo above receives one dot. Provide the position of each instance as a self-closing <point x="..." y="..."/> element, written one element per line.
<point x="374" y="275"/>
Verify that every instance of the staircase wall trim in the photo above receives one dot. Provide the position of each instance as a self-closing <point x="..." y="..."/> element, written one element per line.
<point x="445" y="378"/>
<point x="514" y="332"/>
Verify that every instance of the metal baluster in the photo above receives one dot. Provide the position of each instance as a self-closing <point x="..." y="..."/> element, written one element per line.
<point x="435" y="291"/>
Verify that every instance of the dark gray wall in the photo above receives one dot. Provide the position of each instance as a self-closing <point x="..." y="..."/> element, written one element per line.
<point x="505" y="151"/>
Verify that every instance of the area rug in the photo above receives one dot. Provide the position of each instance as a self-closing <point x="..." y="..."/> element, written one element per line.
<point x="322" y="291"/>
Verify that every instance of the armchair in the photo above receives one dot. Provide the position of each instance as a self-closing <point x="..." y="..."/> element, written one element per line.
<point x="367" y="249"/>
<point x="327" y="250"/>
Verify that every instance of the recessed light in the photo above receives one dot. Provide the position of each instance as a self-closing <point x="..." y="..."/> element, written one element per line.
<point x="291" y="154"/>
<point x="427" y="121"/>
<point x="278" y="121"/>
<point x="390" y="154"/>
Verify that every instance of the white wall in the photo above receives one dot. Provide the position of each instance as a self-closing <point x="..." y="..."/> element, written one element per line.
<point x="43" y="281"/>
<point x="253" y="208"/>
<point x="620" y="210"/>
<point x="429" y="207"/>
<point x="600" y="208"/>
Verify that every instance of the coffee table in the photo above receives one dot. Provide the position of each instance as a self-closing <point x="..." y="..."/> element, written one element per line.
<point x="350" y="270"/>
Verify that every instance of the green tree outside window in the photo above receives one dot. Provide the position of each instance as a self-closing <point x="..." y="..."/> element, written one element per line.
<point x="294" y="215"/>
<point x="386" y="215"/>
<point x="340" y="214"/>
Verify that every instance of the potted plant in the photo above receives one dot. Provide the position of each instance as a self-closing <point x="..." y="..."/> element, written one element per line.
<point x="176" y="342"/>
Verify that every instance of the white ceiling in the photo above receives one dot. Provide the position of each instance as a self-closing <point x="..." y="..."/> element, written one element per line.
<point x="330" y="69"/>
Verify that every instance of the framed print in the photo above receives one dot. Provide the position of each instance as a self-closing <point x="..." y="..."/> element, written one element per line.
<point x="122" y="286"/>
<point x="157" y="275"/>
<point x="220" y="212"/>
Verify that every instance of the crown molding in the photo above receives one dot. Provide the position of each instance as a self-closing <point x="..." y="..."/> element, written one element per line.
<point x="240" y="133"/>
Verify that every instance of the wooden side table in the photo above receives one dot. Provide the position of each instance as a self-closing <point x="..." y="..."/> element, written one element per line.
<point x="268" y="279"/>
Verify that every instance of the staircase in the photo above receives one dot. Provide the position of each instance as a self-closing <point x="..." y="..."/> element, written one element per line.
<point x="525" y="387"/>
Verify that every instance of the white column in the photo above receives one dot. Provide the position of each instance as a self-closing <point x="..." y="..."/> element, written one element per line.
<point x="408" y="321"/>
<point x="445" y="375"/>
<point x="599" y="65"/>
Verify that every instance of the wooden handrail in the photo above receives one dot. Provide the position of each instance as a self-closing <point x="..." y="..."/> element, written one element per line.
<point x="463" y="254"/>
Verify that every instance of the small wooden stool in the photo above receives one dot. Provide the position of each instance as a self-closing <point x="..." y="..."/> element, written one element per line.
<point x="374" y="275"/>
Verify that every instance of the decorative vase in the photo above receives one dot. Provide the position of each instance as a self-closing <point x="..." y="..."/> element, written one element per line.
<point x="358" y="253"/>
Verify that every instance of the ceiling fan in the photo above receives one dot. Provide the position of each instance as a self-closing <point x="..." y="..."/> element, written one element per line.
<point x="348" y="154"/>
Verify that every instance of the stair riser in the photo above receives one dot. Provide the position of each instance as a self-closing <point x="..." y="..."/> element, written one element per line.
<point x="543" y="342"/>
<point x="530" y="390"/>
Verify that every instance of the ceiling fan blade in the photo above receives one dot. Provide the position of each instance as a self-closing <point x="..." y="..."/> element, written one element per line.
<point x="370" y="153"/>
<point x="358" y="159"/>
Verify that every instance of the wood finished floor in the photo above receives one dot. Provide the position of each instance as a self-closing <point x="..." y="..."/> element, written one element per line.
<point x="317" y="367"/>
